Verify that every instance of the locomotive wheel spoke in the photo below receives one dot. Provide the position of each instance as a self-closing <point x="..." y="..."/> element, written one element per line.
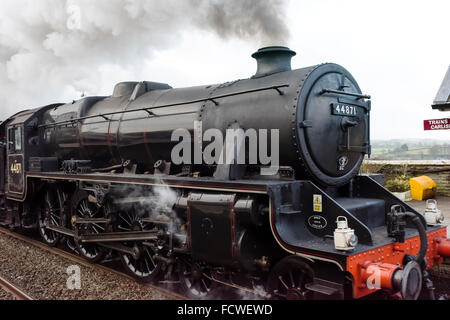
<point x="142" y="266"/>
<point x="125" y="225"/>
<point x="283" y="283"/>
<point x="84" y="209"/>
<point x="128" y="223"/>
<point x="195" y="280"/>
<point x="147" y="266"/>
<point x="99" y="227"/>
<point x="205" y="285"/>
<point x="288" y="279"/>
<point x="150" y="257"/>
<point x="51" y="206"/>
<point x="54" y="221"/>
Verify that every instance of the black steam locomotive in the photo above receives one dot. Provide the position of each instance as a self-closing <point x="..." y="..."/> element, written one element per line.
<point x="97" y="175"/>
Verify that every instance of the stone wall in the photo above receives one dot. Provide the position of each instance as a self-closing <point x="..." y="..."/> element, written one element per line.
<point x="438" y="170"/>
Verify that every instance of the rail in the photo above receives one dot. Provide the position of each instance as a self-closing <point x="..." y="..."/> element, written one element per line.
<point x="17" y="293"/>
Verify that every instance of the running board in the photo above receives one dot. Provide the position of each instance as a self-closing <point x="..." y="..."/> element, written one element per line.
<point x="62" y="230"/>
<point x="324" y="287"/>
<point x="118" y="237"/>
<point x="77" y="220"/>
<point x="106" y="237"/>
<point x="121" y="248"/>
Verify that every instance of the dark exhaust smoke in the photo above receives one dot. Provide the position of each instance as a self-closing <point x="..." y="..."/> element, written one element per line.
<point x="260" y="21"/>
<point x="52" y="50"/>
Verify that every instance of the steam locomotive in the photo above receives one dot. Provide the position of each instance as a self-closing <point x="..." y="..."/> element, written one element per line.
<point x="97" y="175"/>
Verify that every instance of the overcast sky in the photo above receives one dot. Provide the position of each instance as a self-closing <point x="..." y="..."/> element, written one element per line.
<point x="398" y="51"/>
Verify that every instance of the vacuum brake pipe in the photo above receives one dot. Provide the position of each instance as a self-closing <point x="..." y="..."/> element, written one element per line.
<point x="414" y="219"/>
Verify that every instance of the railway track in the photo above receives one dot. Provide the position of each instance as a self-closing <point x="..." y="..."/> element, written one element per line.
<point x="17" y="293"/>
<point x="80" y="261"/>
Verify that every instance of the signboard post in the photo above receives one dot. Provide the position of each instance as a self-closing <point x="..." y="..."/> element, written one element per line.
<point x="437" y="124"/>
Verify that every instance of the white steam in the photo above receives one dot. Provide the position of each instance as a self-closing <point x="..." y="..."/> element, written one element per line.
<point x="165" y="199"/>
<point x="154" y="203"/>
<point x="52" y="49"/>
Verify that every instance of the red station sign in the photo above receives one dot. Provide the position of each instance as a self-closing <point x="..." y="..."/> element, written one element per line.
<point x="437" y="124"/>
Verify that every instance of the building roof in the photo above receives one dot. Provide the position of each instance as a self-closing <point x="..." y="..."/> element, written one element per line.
<point x="442" y="101"/>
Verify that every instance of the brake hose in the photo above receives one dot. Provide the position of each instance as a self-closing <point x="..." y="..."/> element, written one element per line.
<point x="414" y="219"/>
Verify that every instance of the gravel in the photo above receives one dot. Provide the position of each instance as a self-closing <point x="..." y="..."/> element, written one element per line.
<point x="44" y="276"/>
<point x="440" y="276"/>
<point x="5" y="295"/>
<point x="442" y="286"/>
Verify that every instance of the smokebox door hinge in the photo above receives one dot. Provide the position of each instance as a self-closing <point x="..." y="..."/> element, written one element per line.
<point x="306" y="124"/>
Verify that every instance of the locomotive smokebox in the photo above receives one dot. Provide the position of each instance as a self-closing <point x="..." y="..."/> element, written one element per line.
<point x="273" y="60"/>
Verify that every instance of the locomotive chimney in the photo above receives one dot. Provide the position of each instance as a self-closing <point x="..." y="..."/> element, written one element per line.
<point x="273" y="60"/>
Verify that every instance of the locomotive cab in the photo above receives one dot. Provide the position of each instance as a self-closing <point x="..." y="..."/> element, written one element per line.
<point x="3" y="145"/>
<point x="15" y="160"/>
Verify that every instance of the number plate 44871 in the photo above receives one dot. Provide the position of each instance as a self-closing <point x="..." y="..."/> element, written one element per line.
<point x="342" y="109"/>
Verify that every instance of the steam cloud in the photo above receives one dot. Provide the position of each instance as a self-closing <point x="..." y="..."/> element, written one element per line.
<point x="51" y="49"/>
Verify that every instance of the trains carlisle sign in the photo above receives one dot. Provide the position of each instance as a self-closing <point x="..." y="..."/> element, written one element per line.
<point x="437" y="124"/>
